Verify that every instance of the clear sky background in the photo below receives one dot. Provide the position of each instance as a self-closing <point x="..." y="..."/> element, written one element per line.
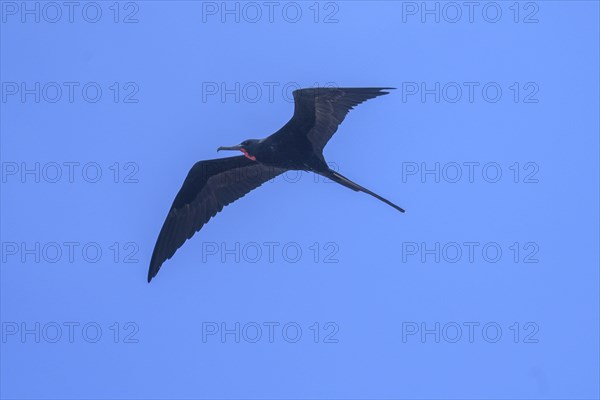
<point x="486" y="288"/>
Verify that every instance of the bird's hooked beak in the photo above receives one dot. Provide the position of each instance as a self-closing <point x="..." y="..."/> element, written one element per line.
<point x="236" y="147"/>
<point x="240" y="148"/>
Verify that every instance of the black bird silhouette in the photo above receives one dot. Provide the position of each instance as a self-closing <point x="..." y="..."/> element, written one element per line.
<point x="298" y="145"/>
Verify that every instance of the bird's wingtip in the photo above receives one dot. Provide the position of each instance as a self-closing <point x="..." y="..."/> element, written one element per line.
<point x="384" y="90"/>
<point x="151" y="273"/>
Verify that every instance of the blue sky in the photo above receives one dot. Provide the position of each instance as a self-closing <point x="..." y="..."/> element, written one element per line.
<point x="488" y="286"/>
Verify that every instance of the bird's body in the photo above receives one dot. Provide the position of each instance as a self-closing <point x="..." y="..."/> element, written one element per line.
<point x="298" y="145"/>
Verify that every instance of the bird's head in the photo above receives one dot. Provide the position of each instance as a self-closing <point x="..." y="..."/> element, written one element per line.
<point x="248" y="147"/>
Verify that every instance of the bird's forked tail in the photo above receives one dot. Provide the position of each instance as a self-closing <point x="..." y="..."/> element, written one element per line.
<point x="342" y="180"/>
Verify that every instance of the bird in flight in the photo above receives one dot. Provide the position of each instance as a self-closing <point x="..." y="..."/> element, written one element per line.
<point x="212" y="184"/>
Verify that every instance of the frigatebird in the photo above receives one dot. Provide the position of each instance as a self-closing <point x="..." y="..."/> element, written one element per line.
<point x="212" y="184"/>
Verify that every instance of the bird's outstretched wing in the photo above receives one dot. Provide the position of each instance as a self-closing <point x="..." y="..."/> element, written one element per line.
<point x="321" y="110"/>
<point x="209" y="186"/>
